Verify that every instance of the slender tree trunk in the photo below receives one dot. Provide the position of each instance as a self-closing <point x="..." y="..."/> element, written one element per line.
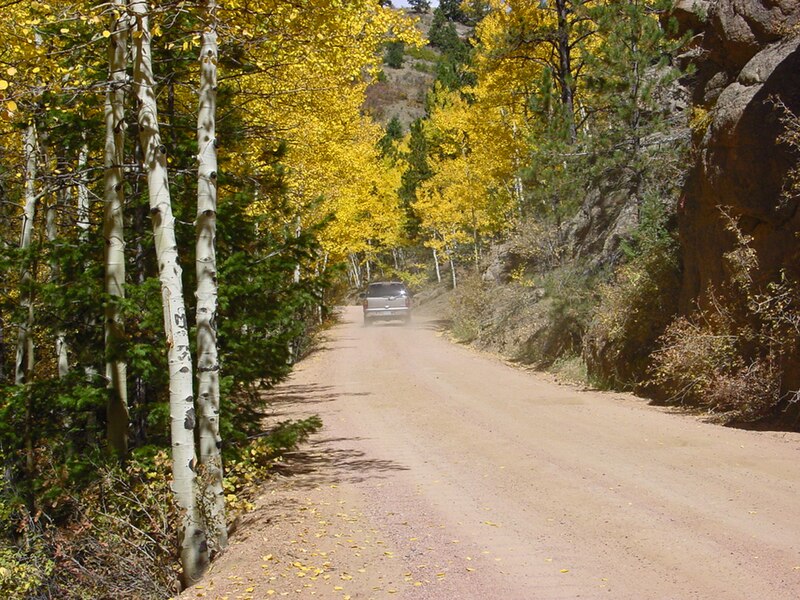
<point x="321" y="308"/>
<point x="191" y="536"/>
<point x="476" y="242"/>
<point x="356" y="271"/>
<point x="83" y="194"/>
<point x="51" y="229"/>
<point x="293" y="345"/>
<point x="25" y="358"/>
<point x="565" y="69"/>
<point x="2" y="350"/>
<point x="436" y="262"/>
<point x="453" y="272"/>
<point x="114" y="235"/>
<point x="206" y="265"/>
<point x="24" y="363"/>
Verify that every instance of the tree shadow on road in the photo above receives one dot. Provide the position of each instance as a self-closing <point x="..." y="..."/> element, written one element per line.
<point x="438" y="325"/>
<point x="327" y="461"/>
<point x="290" y="400"/>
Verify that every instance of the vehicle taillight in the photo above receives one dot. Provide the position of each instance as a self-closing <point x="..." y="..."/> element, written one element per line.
<point x="365" y="304"/>
<point x="408" y="302"/>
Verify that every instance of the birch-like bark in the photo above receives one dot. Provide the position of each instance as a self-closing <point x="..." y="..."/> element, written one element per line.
<point x="294" y="343"/>
<point x="51" y="229"/>
<point x="23" y="367"/>
<point x="356" y="271"/>
<point x="113" y="233"/>
<point x="191" y="536"/>
<point x="206" y="266"/>
<point x="438" y="270"/>
<point x="83" y="222"/>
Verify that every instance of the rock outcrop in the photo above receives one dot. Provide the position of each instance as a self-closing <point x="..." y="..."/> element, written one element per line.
<point x="747" y="56"/>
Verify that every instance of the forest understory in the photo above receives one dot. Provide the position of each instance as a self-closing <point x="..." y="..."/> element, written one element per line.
<point x="607" y="191"/>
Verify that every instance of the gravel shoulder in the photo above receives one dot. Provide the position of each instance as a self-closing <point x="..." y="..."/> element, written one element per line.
<point x="442" y="473"/>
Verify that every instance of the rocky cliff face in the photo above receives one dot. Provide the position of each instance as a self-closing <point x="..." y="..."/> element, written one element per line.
<point x="748" y="64"/>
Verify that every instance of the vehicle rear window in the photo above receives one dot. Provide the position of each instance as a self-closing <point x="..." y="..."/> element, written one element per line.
<point x="385" y="289"/>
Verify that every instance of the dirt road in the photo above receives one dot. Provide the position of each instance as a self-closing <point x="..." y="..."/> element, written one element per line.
<point x="444" y="474"/>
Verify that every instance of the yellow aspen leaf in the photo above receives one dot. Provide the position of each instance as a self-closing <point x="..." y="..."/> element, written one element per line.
<point x="3" y="84"/>
<point x="11" y="106"/>
<point x="106" y="33"/>
<point x="11" y="71"/>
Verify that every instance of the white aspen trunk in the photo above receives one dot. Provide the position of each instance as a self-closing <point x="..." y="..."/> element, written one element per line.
<point x="294" y="344"/>
<point x="476" y="242"/>
<point x="369" y="273"/>
<point x="83" y="194"/>
<point x="436" y="262"/>
<point x="23" y="367"/>
<point x="356" y="271"/>
<point x="117" y="414"/>
<point x="206" y="266"/>
<point x="298" y="231"/>
<point x="51" y="228"/>
<point x="24" y="363"/>
<point x="453" y="272"/>
<point x="191" y="536"/>
<point x="321" y="307"/>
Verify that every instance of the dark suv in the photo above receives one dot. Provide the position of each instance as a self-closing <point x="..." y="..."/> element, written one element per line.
<point x="387" y="300"/>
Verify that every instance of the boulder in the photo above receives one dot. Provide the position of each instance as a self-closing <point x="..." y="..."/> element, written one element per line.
<point x="745" y="27"/>
<point x="741" y="164"/>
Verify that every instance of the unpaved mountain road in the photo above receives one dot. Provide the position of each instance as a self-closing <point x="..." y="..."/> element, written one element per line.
<point x="445" y="474"/>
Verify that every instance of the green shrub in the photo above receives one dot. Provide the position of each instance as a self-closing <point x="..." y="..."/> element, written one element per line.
<point x="393" y="57"/>
<point x="635" y="307"/>
<point x="571" y="295"/>
<point x="423" y="53"/>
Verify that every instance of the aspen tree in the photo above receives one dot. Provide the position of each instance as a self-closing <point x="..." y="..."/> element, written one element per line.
<point x="51" y="229"/>
<point x="206" y="265"/>
<point x="191" y="536"/>
<point x="25" y="358"/>
<point x="113" y="231"/>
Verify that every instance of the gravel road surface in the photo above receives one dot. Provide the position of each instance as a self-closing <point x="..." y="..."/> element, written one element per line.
<point x="442" y="473"/>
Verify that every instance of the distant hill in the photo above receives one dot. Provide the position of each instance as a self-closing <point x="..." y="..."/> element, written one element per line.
<point x="401" y="92"/>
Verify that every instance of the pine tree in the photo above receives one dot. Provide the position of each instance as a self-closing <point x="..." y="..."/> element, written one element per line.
<point x="451" y="9"/>
<point x="393" y="56"/>
<point x="628" y="68"/>
<point x="394" y="132"/>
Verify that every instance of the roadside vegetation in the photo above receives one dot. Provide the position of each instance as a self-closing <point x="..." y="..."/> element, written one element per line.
<point x="529" y="157"/>
<point x="545" y="182"/>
